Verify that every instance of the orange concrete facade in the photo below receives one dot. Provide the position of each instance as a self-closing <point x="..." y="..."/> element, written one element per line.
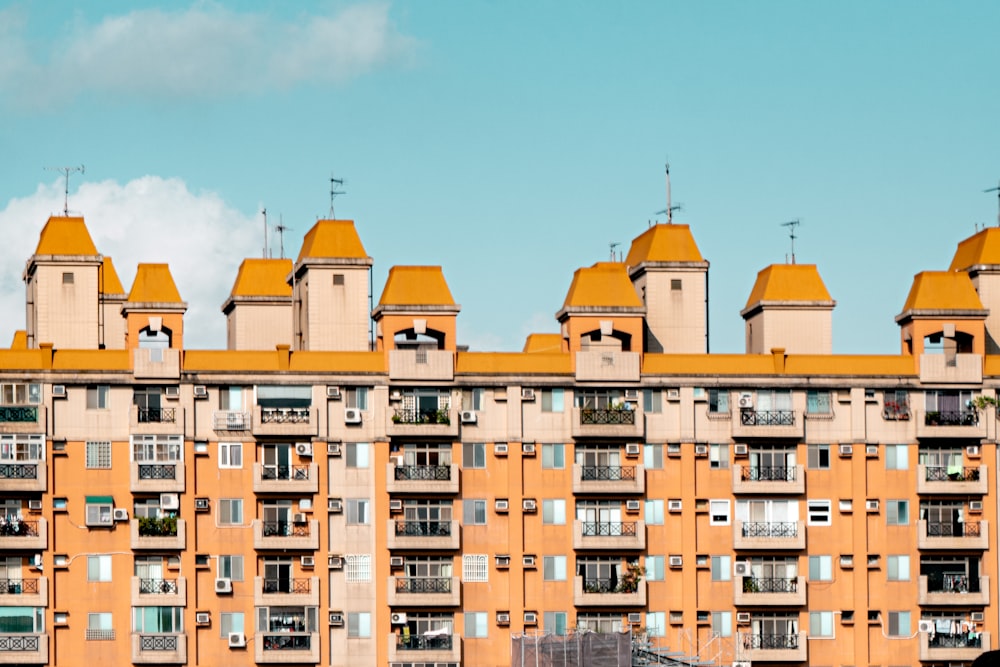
<point x="377" y="495"/>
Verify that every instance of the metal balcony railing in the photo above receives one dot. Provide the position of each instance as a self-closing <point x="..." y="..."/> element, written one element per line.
<point x="958" y="640"/>
<point x="951" y="583"/>
<point x="895" y="411"/>
<point x="952" y="474"/>
<point x="157" y="471"/>
<point x="414" y="416"/>
<point x="18" y="586"/>
<point x="607" y="473"/>
<point x="607" y="416"/>
<point x="230" y="420"/>
<point x="19" y="471"/>
<point x="771" y="641"/>
<point x="157" y="642"/>
<point x="768" y="473"/>
<point x="418" y="528"/>
<point x="767" y="417"/>
<point x="296" y="472"/>
<point x="423" y="584"/>
<point x="952" y="418"/>
<point x="439" y="473"/>
<point x="770" y="585"/>
<point x="609" y="528"/>
<point x="18" y="413"/>
<point x="287" y="642"/>
<point x="158" y="586"/>
<point x="157" y="415"/>
<point x="951" y="529"/>
<point x="770" y="529"/>
<point x="285" y="529"/>
<point x="424" y="643"/>
<point x="18" y="527"/>
<point x="285" y="415"/>
<point x="18" y="643"/>
<point x="287" y="586"/>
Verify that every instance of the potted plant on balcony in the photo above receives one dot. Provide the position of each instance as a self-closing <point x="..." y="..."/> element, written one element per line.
<point x="629" y="581"/>
<point x="751" y="585"/>
<point x="443" y="417"/>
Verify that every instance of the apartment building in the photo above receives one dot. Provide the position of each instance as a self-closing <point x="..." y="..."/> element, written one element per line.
<point x="344" y="486"/>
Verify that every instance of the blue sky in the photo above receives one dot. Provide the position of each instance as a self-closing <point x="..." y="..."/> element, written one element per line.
<point x="509" y="142"/>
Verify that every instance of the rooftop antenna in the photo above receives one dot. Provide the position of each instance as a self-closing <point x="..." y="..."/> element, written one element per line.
<point x="66" y="171"/>
<point x="669" y="210"/>
<point x="792" y="224"/>
<point x="334" y="184"/>
<point x="996" y="190"/>
<point x="263" y="212"/>
<point x="611" y="246"/>
<point x="281" y="229"/>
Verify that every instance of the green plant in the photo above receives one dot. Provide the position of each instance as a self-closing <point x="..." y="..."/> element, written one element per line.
<point x="396" y="419"/>
<point x="629" y="581"/>
<point x="165" y="526"/>
<point x="751" y="585"/>
<point x="982" y="402"/>
<point x="443" y="417"/>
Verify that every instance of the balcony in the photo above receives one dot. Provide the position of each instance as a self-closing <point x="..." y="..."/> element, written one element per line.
<point x="23" y="476"/>
<point x="608" y="423"/>
<point x="24" y="592"/>
<point x="166" y="533"/>
<point x="773" y="648"/>
<point x="285" y="421"/>
<point x="231" y="420"/>
<point x="425" y="591"/>
<point x="769" y="479"/>
<point x="767" y="424"/>
<point x="953" y="590"/>
<point x="422" y="479"/>
<point x="967" y="480"/>
<point x="426" y="648"/>
<point x="769" y="535"/>
<point x="22" y="419"/>
<point x="170" y="592"/>
<point x="422" y="423"/>
<point x="156" y="421"/>
<point x="423" y="535"/>
<point x="298" y="592"/>
<point x="303" y="478"/>
<point x="603" y="593"/>
<point x="944" y="647"/>
<point x="609" y="535"/>
<point x="159" y="649"/>
<point x="286" y="535"/>
<point x="286" y="647"/>
<point x="149" y="477"/>
<point x="16" y="533"/>
<point x="624" y="480"/>
<point x="769" y="591"/>
<point x="951" y="424"/>
<point x="18" y="649"/>
<point x="940" y="535"/>
<point x="896" y="411"/>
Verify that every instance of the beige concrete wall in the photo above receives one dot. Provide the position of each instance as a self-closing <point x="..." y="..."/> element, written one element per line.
<point x="65" y="314"/>
<point x="675" y="319"/>
<point x="799" y="331"/>
<point x="336" y="316"/>
<point x="258" y="327"/>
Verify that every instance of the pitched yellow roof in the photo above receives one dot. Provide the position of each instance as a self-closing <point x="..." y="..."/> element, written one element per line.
<point x="332" y="238"/>
<point x="664" y="243"/>
<point x="788" y="282"/>
<point x="977" y="250"/>
<point x="112" y="283"/>
<point x="20" y="341"/>
<point x="263" y="277"/>
<point x="416" y="286"/>
<point x="603" y="284"/>
<point x="154" y="284"/>
<point x="539" y="342"/>
<point x="518" y="363"/>
<point x="942" y="290"/>
<point x="65" y="236"/>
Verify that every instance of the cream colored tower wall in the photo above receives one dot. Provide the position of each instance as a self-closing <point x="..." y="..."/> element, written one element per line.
<point x="336" y="316"/>
<point x="65" y="314"/>
<point x="114" y="325"/>
<point x="258" y="326"/>
<point x="988" y="287"/>
<point x="675" y="319"/>
<point x="798" y="331"/>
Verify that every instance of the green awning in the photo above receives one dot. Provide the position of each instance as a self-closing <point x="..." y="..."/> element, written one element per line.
<point x="100" y="500"/>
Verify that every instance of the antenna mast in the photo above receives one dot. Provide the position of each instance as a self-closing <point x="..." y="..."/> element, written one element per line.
<point x="66" y="171"/>
<point x="669" y="210"/>
<point x="281" y="229"/>
<point x="792" y="224"/>
<point x="996" y="190"/>
<point x="611" y="246"/>
<point x="263" y="212"/>
<point x="334" y="183"/>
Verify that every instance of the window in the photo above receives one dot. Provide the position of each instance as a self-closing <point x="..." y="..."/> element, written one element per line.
<point x="820" y="624"/>
<point x="652" y="400"/>
<point x="356" y="398"/>
<point x="475" y="568"/>
<point x="553" y="400"/>
<point x="231" y="398"/>
<point x="165" y="620"/>
<point x="721" y="568"/>
<point x="899" y="624"/>
<point x="231" y="567"/>
<point x="654" y="568"/>
<point x="474" y="512"/>
<point x="896" y="457"/>
<point x="817" y="402"/>
<point x="357" y="512"/>
<point x="99" y="455"/>
<point x="98" y="568"/>
<point x="359" y="624"/>
<point x="652" y="457"/>
<point x="230" y="511"/>
<point x="475" y="624"/>
<point x="819" y="512"/>
<point x="230" y="454"/>
<point x="675" y="284"/>
<point x="67" y="278"/>
<point x="718" y="400"/>
<point x="472" y="399"/>
<point x="554" y="568"/>
<point x="718" y="512"/>
<point x="100" y="626"/>
<point x="820" y="568"/>
<point x="20" y="393"/>
<point x="230" y="621"/>
<point x="897" y="512"/>
<point x="656" y="623"/>
<point x="358" y="568"/>
<point x="157" y="448"/>
<point x="654" y="513"/>
<point x="338" y="279"/>
<point x="554" y="456"/>
<point x="718" y="456"/>
<point x="722" y="623"/>
<point x="357" y="454"/>
<point x="554" y="511"/>
<point x="898" y="568"/>
<point x="97" y="397"/>
<point x="555" y="622"/>
<point x="818" y="457"/>
<point x="474" y="455"/>
<point x="99" y="511"/>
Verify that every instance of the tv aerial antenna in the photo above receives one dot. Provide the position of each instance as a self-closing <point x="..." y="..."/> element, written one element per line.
<point x="263" y="213"/>
<point x="334" y="184"/>
<point x="281" y="228"/>
<point x="611" y="246"/>
<point x="669" y="210"/>
<point x="792" y="224"/>
<point x="66" y="171"/>
<point x="996" y="190"/>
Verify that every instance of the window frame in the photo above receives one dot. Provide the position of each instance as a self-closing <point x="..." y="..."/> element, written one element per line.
<point x="551" y="451"/>
<point x="476" y="509"/>
<point x="892" y="512"/>
<point x="102" y="452"/>
<point x="551" y="511"/>
<point x="476" y="451"/>
<point x="226" y="515"/>
<point x="226" y="455"/>
<point x="816" y="509"/>
<point x="358" y="511"/>
<point x="552" y="567"/>
<point x="716" y="519"/>
<point x="815" y="455"/>
<point x="104" y="568"/>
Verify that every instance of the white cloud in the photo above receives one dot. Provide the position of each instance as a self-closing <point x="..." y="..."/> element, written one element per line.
<point x="149" y="219"/>
<point x="203" y="51"/>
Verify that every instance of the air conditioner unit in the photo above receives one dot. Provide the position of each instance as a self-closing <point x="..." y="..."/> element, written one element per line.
<point x="632" y="505"/>
<point x="701" y="450"/>
<point x="333" y="449"/>
<point x="676" y="561"/>
<point x="500" y="449"/>
<point x="395" y="395"/>
<point x="397" y="618"/>
<point x="333" y="392"/>
<point x="58" y="391"/>
<point x="530" y="618"/>
<point x="299" y="517"/>
<point x="352" y="416"/>
<point x="201" y="504"/>
<point x="972" y="450"/>
<point x="741" y="568"/>
<point x="335" y="505"/>
<point x="120" y="514"/>
<point x="203" y="618"/>
<point x="528" y="448"/>
<point x="469" y="416"/>
<point x="673" y="394"/>
<point x="631" y="394"/>
<point x="527" y="394"/>
<point x="335" y="562"/>
<point x="502" y="561"/>
<point x="304" y="449"/>
<point x="307" y="561"/>
<point x="745" y="401"/>
<point x="977" y="616"/>
<point x="975" y="505"/>
<point x="741" y="449"/>
<point x="223" y="585"/>
<point x="529" y="505"/>
<point x="336" y="618"/>
<point x="237" y="640"/>
<point x="173" y="391"/>
<point x="170" y="501"/>
<point x="871" y="505"/>
<point x="632" y="449"/>
<point x="395" y="505"/>
<point x="503" y="618"/>
<point x="200" y="391"/>
<point x="396" y="562"/>
<point x="674" y="505"/>
<point x="743" y="617"/>
<point x="871" y="450"/>
<point x="501" y="505"/>
<point x="925" y="626"/>
<point x="34" y="505"/>
<point x="673" y="449"/>
<point x="528" y="561"/>
<point x="635" y="618"/>
<point x="847" y="450"/>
